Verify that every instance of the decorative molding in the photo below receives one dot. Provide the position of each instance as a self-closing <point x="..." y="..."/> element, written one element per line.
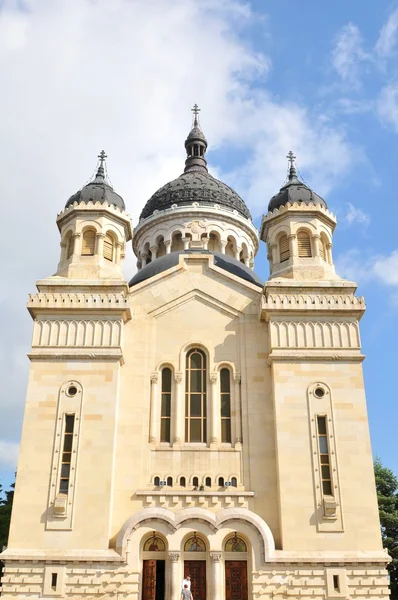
<point x="154" y="377"/>
<point x="312" y="302"/>
<point x="178" y="376"/>
<point x="215" y="556"/>
<point x="315" y="334"/>
<point x="174" y="556"/>
<point x="213" y="377"/>
<point x="77" y="333"/>
<point x="237" y="377"/>
<point x="66" y="301"/>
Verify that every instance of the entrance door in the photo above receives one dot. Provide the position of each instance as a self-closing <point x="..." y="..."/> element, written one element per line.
<point x="236" y="579"/>
<point x="153" y="579"/>
<point x="197" y="570"/>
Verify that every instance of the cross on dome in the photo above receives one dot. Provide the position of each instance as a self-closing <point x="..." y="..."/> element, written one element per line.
<point x="196" y="111"/>
<point x="292" y="168"/>
<point x="101" y="170"/>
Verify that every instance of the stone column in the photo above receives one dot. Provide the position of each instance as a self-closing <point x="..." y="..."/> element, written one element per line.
<point x="273" y="248"/>
<point x="167" y="243"/>
<point x="293" y="245"/>
<point x="63" y="251"/>
<point x="154" y="252"/>
<point x="237" y="252"/>
<point x="99" y="250"/>
<point x="153" y="424"/>
<point x="119" y="247"/>
<point x="223" y="245"/>
<point x="179" y="416"/>
<point x="217" y="583"/>
<point x="215" y="410"/>
<point x="205" y="241"/>
<point x="77" y="244"/>
<point x="329" y="247"/>
<point x="238" y="411"/>
<point x="175" y="579"/>
<point x="144" y="257"/>
<point x="317" y="240"/>
<point x="185" y="241"/>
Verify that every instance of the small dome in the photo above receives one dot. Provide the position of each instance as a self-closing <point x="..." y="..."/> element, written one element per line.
<point x="98" y="190"/>
<point x="229" y="264"/>
<point x="195" y="184"/>
<point x="294" y="191"/>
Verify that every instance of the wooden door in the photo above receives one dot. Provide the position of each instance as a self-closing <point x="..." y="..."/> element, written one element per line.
<point x="149" y="580"/>
<point x="197" y="570"/>
<point x="236" y="580"/>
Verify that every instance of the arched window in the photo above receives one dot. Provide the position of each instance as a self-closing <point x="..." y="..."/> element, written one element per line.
<point x="176" y="242"/>
<point x="284" y="250"/>
<point x="225" y="389"/>
<point x="234" y="482"/>
<point x="161" y="247"/>
<point x="214" y="242"/>
<point x="235" y="544"/>
<point x="182" y="482"/>
<point x="194" y="544"/>
<point x="221" y="481"/>
<point x="304" y="244"/>
<point x="165" y="411"/>
<point x="109" y="247"/>
<point x="170" y="481"/>
<point x="195" y="482"/>
<point x="70" y="245"/>
<point x="208" y="482"/>
<point x="88" y="243"/>
<point x="154" y="544"/>
<point x="156" y="481"/>
<point x="195" y="396"/>
<point x="230" y="247"/>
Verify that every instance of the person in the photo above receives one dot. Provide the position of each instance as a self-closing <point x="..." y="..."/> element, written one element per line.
<point x="186" y="594"/>
<point x="186" y="582"/>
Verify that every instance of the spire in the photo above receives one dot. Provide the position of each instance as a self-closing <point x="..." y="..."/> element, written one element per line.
<point x="101" y="167"/>
<point x="196" y="145"/>
<point x="292" y="169"/>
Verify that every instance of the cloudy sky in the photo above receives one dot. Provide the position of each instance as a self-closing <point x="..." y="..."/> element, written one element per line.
<point x="320" y="78"/>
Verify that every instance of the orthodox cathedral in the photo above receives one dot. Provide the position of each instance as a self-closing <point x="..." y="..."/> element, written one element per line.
<point x="195" y="420"/>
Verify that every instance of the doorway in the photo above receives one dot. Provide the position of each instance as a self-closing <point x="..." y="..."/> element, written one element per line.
<point x="197" y="570"/>
<point x="236" y="580"/>
<point x="153" y="580"/>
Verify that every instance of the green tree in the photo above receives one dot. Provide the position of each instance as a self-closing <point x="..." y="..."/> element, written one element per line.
<point x="5" y="514"/>
<point x="387" y="497"/>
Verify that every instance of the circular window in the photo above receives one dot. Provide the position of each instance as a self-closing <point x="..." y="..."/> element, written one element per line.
<point x="319" y="392"/>
<point x="72" y="390"/>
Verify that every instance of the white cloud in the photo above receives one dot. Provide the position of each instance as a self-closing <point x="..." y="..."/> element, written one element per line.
<point x="348" y="54"/>
<point x="8" y="455"/>
<point x="350" y="106"/>
<point x="386" y="268"/>
<point x="356" y="216"/>
<point x="388" y="36"/>
<point x="356" y="266"/>
<point x="80" y="76"/>
<point x="387" y="105"/>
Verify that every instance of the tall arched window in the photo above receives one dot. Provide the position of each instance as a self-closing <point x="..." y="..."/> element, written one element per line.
<point x="165" y="412"/>
<point x="284" y="249"/>
<point x="195" y="396"/>
<point x="225" y="390"/>
<point x="304" y="244"/>
<point x="88" y="243"/>
<point x="176" y="242"/>
<point x="69" y="245"/>
<point x="109" y="247"/>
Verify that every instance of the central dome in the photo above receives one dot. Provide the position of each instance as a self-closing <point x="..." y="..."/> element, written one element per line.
<point x="195" y="184"/>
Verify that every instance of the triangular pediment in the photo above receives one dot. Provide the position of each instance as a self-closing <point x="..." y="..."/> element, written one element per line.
<point x="195" y="296"/>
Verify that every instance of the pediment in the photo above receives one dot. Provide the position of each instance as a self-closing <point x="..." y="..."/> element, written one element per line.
<point x="195" y="296"/>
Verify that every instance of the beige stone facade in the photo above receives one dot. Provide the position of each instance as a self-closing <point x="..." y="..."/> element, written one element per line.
<point x="242" y="484"/>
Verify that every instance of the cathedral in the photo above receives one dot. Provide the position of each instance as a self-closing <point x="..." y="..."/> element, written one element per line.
<point x="195" y="423"/>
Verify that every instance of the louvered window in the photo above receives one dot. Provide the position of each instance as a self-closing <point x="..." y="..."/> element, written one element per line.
<point x="284" y="250"/>
<point x="69" y="246"/>
<point x="88" y="245"/>
<point x="304" y="245"/>
<point x="108" y="247"/>
<point x="322" y="249"/>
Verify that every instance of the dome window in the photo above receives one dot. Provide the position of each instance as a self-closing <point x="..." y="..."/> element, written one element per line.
<point x="284" y="250"/>
<point x="88" y="243"/>
<point x="304" y="245"/>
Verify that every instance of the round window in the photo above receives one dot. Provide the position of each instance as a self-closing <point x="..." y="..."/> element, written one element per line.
<point x="319" y="392"/>
<point x="72" y="390"/>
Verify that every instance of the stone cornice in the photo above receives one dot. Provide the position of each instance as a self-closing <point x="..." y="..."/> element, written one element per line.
<point x="70" y="302"/>
<point x="308" y="209"/>
<point x="311" y="304"/>
<point x="92" y="354"/>
<point x="98" y="207"/>
<point x="315" y="355"/>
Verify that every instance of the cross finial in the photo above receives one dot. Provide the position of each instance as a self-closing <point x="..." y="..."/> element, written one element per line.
<point x="196" y="111"/>
<point x="101" y="171"/>
<point x="292" y="169"/>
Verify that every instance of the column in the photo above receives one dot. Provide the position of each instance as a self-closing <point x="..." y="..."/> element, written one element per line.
<point x="63" y="251"/>
<point x="238" y="411"/>
<point x="179" y="415"/>
<point x="316" y="241"/>
<point x="217" y="583"/>
<point x="293" y="245"/>
<point x="185" y="241"/>
<point x="329" y="247"/>
<point x="119" y="248"/>
<point x="167" y="243"/>
<point x="154" y="251"/>
<point x="274" y="254"/>
<point x="144" y="257"/>
<point x="237" y="252"/>
<point x="175" y="579"/>
<point x="154" y="425"/>
<point x="205" y="241"/>
<point x="215" y="411"/>
<point x="77" y="244"/>
<point x="100" y="244"/>
<point x="223" y="246"/>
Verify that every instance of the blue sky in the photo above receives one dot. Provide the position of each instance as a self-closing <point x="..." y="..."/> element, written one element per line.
<point x="320" y="78"/>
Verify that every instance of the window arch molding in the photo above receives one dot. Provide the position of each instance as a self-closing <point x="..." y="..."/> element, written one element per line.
<point x="197" y="396"/>
<point x="190" y="346"/>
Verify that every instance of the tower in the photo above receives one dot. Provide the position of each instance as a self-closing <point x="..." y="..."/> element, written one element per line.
<point x="195" y="420"/>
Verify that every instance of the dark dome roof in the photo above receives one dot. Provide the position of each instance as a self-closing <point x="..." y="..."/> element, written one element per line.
<point x="98" y="190"/>
<point x="195" y="186"/>
<point x="294" y="191"/>
<point x="229" y="264"/>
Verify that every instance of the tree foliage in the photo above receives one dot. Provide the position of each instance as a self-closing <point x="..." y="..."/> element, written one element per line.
<point x="5" y="514"/>
<point x="387" y="497"/>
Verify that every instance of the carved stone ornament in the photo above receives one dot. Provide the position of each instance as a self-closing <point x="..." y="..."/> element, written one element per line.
<point x="174" y="556"/>
<point x="213" y="377"/>
<point x="154" y="377"/>
<point x="178" y="377"/>
<point x="237" y="377"/>
<point x="329" y="507"/>
<point x="215" y="556"/>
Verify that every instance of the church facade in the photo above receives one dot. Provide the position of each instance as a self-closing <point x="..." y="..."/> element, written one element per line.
<point x="195" y="421"/>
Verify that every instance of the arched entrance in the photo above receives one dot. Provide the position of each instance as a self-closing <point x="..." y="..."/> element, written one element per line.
<point x="153" y="567"/>
<point x="235" y="553"/>
<point x="195" y="565"/>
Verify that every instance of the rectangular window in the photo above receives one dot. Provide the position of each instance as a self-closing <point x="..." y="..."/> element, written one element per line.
<point x="326" y="477"/>
<point x="66" y="454"/>
<point x="195" y="397"/>
<point x="225" y="390"/>
<point x="336" y="583"/>
<point x="165" y="412"/>
<point x="54" y="578"/>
